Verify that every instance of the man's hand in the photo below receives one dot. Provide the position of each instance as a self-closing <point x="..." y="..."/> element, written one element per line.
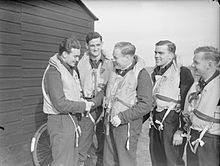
<point x="177" y="138"/>
<point x="116" y="121"/>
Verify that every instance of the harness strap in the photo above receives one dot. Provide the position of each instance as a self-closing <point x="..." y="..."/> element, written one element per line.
<point x="205" y="117"/>
<point x="168" y="99"/>
<point x="194" y="145"/>
<point x="94" y="76"/>
<point x="103" y="112"/>
<point x="151" y="122"/>
<point x="199" y="140"/>
<point x="188" y="137"/>
<point x="129" y="126"/>
<point x="77" y="131"/>
<point x="164" y="117"/>
<point x="92" y="119"/>
<point x="128" y="142"/>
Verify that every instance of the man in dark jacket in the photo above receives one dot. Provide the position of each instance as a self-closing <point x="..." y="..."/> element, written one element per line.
<point x="171" y="83"/>
<point x="63" y="102"/>
<point x="128" y="99"/>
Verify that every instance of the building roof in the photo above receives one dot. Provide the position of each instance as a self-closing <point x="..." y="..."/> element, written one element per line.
<point x="87" y="10"/>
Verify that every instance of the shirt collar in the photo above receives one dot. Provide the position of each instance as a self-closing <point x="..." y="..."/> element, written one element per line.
<point x="160" y="70"/>
<point x="203" y="83"/>
<point x="69" y="68"/>
<point x="95" y="63"/>
<point x="125" y="71"/>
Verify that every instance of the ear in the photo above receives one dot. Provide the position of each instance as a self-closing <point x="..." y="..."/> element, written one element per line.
<point x="129" y="57"/>
<point x="210" y="64"/>
<point x="86" y="45"/>
<point x="64" y="54"/>
<point x="171" y="56"/>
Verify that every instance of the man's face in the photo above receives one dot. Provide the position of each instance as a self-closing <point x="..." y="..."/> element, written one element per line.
<point x="95" y="47"/>
<point x="120" y="61"/>
<point x="200" y="65"/>
<point x="72" y="57"/>
<point x="162" y="55"/>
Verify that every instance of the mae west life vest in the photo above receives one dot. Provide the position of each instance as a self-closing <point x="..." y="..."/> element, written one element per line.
<point x="166" y="91"/>
<point x="205" y="104"/>
<point x="121" y="91"/>
<point x="71" y="85"/>
<point x="93" y="80"/>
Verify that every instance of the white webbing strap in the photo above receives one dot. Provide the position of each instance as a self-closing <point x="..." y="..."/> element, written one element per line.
<point x="128" y="139"/>
<point x="128" y="131"/>
<point x="164" y="117"/>
<point x="151" y="122"/>
<point x="188" y="137"/>
<point x="199" y="140"/>
<point x="92" y="119"/>
<point x="77" y="130"/>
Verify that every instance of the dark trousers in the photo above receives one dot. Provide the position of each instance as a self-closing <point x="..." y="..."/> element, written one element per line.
<point x="208" y="154"/>
<point x="86" y="141"/>
<point x="100" y="140"/>
<point x="162" y="150"/>
<point x="62" y="138"/>
<point x="115" y="152"/>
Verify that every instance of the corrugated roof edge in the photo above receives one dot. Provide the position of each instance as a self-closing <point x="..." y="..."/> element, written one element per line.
<point x="87" y="10"/>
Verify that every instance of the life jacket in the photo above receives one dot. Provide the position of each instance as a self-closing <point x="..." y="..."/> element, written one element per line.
<point x="93" y="80"/>
<point x="166" y="91"/>
<point x="71" y="85"/>
<point x="121" y="91"/>
<point x="204" y="110"/>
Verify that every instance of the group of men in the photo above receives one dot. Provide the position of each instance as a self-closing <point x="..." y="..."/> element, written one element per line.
<point x="110" y="99"/>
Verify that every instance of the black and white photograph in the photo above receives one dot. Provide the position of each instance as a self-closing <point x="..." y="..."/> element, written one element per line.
<point x="109" y="83"/>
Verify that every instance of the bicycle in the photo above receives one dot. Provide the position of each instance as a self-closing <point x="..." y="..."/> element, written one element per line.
<point x="40" y="147"/>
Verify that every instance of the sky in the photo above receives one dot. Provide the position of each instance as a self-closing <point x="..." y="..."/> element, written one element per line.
<point x="189" y="24"/>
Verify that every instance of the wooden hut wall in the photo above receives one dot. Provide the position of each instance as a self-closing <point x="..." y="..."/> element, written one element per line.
<point x="30" y="32"/>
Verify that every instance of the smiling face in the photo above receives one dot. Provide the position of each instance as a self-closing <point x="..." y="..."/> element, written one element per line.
<point x="95" y="47"/>
<point x="72" y="57"/>
<point x="162" y="55"/>
<point x="200" y="65"/>
<point x="120" y="61"/>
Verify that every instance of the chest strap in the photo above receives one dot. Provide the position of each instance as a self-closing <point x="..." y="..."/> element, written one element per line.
<point x="128" y="130"/>
<point x="205" y="117"/>
<point x="167" y="99"/>
<point x="194" y="145"/>
<point x="164" y="117"/>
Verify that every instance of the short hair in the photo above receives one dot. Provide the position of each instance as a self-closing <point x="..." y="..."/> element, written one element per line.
<point x="126" y="48"/>
<point x="171" y="46"/>
<point x="92" y="35"/>
<point x="67" y="44"/>
<point x="210" y="53"/>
